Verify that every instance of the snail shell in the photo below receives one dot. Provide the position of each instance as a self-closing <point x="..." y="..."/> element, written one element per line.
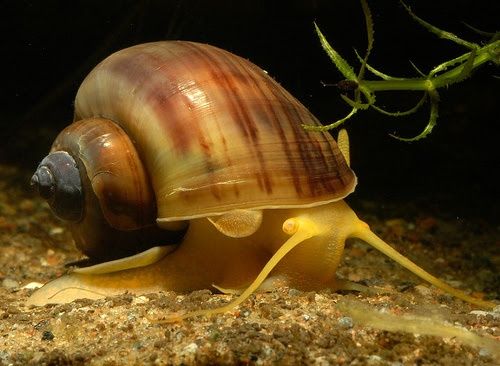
<point x="215" y="131"/>
<point x="179" y="130"/>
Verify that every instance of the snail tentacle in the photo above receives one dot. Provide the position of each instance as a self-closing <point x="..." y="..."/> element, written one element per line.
<point x="303" y="229"/>
<point x="343" y="144"/>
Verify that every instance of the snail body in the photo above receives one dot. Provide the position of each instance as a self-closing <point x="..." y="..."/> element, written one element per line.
<point x="189" y="147"/>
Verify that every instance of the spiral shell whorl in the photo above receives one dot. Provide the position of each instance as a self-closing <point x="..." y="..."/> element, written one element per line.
<point x="215" y="131"/>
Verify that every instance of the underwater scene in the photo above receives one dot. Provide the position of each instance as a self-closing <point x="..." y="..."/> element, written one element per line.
<point x="250" y="183"/>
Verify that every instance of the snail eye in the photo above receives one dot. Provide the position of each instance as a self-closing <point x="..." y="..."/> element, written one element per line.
<point x="58" y="181"/>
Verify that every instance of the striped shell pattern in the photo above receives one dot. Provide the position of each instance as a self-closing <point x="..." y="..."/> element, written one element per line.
<point x="214" y="131"/>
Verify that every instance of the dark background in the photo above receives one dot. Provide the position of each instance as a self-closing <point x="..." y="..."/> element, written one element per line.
<point x="49" y="46"/>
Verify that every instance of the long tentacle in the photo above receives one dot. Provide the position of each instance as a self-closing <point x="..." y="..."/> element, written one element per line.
<point x="301" y="229"/>
<point x="363" y="232"/>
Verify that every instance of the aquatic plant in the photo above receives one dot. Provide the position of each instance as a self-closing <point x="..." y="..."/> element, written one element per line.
<point x="443" y="75"/>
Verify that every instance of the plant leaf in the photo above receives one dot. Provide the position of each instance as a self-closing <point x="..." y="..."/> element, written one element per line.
<point x="369" y="35"/>
<point x="331" y="125"/>
<point x="434" y="99"/>
<point x="346" y="70"/>
<point x="439" y="32"/>
<point x="412" y="110"/>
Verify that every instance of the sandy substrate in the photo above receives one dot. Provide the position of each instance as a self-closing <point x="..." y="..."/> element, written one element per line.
<point x="283" y="327"/>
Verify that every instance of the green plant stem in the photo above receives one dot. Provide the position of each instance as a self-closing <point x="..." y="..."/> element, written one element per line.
<point x="485" y="54"/>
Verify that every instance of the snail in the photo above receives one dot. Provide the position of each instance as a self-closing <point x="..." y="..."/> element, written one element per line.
<point x="188" y="167"/>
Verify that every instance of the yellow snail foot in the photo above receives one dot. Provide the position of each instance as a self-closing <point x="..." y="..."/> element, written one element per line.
<point x="75" y="286"/>
<point x="142" y="259"/>
<point x="102" y="280"/>
<point x="64" y="290"/>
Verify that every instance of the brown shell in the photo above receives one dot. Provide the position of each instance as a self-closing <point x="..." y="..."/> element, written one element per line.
<point x="114" y="170"/>
<point x="215" y="132"/>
